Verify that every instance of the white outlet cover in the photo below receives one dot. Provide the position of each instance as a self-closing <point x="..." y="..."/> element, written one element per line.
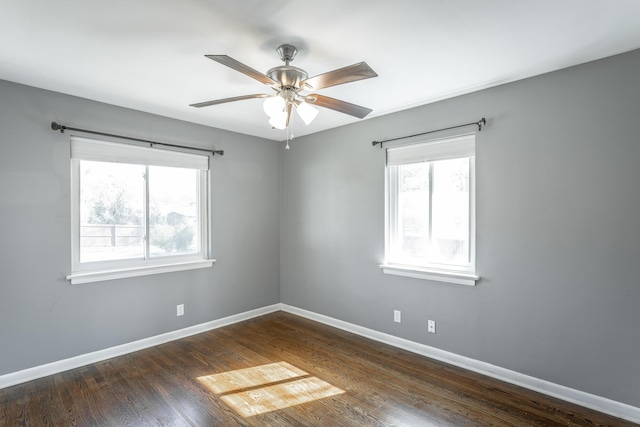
<point x="397" y="316"/>
<point x="431" y="326"/>
<point x="180" y="310"/>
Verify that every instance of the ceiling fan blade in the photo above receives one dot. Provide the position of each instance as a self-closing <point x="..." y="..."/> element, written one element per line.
<point x="239" y="66"/>
<point x="351" y="73"/>
<point x="337" y="105"/>
<point x="235" y="98"/>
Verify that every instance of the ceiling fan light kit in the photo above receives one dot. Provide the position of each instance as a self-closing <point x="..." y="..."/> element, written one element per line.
<point x="273" y="105"/>
<point x="279" y="121"/>
<point x="306" y="112"/>
<point x="290" y="82"/>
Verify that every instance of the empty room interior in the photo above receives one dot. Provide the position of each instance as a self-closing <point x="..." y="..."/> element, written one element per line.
<point x="408" y="213"/>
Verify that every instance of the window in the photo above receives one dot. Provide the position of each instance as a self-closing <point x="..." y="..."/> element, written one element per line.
<point x="430" y="230"/>
<point x="136" y="210"/>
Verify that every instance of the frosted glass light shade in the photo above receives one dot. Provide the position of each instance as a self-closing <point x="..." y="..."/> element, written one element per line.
<point x="306" y="112"/>
<point x="279" y="121"/>
<point x="273" y="105"/>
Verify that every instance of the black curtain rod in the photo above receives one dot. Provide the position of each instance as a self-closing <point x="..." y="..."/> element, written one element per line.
<point x="479" y="123"/>
<point x="62" y="128"/>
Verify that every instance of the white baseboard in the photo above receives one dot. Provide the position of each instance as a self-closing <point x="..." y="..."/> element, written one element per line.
<point x="25" y="375"/>
<point x="600" y="404"/>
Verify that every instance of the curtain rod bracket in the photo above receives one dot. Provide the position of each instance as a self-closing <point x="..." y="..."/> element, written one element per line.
<point x="480" y="123"/>
<point x="56" y="126"/>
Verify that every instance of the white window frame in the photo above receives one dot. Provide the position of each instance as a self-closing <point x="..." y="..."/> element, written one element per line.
<point x="460" y="146"/>
<point x="104" y="151"/>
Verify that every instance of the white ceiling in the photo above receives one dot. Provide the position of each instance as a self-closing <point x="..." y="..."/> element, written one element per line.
<point x="149" y="54"/>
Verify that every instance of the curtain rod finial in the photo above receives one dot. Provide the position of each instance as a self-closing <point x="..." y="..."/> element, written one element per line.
<point x="56" y="126"/>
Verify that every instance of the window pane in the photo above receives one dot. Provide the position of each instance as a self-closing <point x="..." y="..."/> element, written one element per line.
<point x="173" y="211"/>
<point x="450" y="211"/>
<point x="111" y="211"/>
<point x="413" y="210"/>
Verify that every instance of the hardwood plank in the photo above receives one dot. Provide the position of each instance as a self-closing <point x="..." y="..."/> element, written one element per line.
<point x="383" y="385"/>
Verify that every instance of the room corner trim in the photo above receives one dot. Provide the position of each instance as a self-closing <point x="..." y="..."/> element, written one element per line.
<point x="36" y="372"/>
<point x="598" y="403"/>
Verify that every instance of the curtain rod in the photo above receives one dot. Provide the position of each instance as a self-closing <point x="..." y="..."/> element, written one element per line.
<point x="479" y="123"/>
<point x="62" y="128"/>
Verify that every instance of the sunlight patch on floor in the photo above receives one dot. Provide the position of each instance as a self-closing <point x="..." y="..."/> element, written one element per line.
<point x="267" y="388"/>
<point x="242" y="379"/>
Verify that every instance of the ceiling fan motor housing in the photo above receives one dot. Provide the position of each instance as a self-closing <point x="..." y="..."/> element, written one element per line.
<point x="288" y="76"/>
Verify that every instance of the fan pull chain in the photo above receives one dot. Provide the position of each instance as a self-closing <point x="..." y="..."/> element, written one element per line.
<point x="289" y="136"/>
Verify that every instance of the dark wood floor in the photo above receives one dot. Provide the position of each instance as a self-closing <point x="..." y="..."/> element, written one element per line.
<point x="384" y="386"/>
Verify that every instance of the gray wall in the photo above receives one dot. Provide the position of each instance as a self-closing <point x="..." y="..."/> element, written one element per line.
<point x="42" y="317"/>
<point x="558" y="232"/>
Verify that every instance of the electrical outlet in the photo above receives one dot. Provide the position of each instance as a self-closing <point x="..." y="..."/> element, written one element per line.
<point x="431" y="326"/>
<point x="397" y="316"/>
<point x="180" y="310"/>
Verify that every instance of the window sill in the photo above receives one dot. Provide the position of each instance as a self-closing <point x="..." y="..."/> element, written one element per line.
<point x="99" y="276"/>
<point x="427" y="274"/>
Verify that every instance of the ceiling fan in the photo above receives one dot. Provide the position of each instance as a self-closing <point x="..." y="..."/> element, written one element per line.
<point x="292" y="86"/>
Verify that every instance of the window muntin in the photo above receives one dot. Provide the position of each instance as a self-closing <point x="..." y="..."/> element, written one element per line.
<point x="136" y="207"/>
<point x="431" y="205"/>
